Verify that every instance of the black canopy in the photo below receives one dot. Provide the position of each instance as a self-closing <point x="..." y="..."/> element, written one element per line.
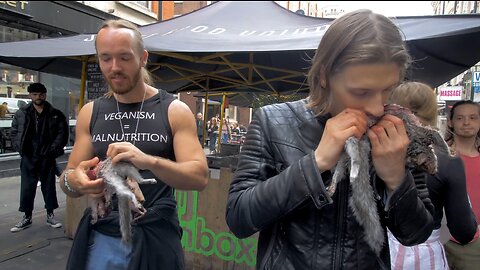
<point x="254" y="47"/>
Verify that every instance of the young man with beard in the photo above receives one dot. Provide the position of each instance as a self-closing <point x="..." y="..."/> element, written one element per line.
<point x="149" y="128"/>
<point x="463" y="138"/>
<point x="39" y="133"/>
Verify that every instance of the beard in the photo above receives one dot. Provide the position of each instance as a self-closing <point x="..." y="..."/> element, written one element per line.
<point x="39" y="102"/>
<point x="128" y="86"/>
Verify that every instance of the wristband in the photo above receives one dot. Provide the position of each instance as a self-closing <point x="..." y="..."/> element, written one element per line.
<point x="65" y="181"/>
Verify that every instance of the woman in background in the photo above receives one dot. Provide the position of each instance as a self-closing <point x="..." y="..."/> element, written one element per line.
<point x="447" y="190"/>
<point x="213" y="134"/>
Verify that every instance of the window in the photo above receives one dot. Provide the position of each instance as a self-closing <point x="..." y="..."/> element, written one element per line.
<point x="145" y="4"/>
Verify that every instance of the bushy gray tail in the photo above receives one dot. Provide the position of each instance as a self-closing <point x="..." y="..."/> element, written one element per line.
<point x="125" y="217"/>
<point x="362" y="202"/>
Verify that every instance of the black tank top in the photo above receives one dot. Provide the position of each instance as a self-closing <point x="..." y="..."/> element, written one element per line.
<point x="153" y="135"/>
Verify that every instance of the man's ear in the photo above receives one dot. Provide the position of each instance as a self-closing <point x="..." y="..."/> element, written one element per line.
<point x="144" y="58"/>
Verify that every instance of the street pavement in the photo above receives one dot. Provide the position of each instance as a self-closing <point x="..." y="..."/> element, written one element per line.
<point x="38" y="247"/>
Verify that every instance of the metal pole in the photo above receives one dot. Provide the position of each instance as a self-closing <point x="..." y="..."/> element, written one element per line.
<point x="83" y="81"/>
<point x="205" y="117"/>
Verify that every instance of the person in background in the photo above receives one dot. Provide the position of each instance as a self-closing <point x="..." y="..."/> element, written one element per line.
<point x="200" y="129"/>
<point x="39" y="133"/>
<point x="242" y="129"/>
<point x="291" y="150"/>
<point x="234" y="129"/>
<point x="213" y="134"/>
<point x="462" y="135"/>
<point x="154" y="132"/>
<point x="226" y="130"/>
<point x="4" y="110"/>
<point x="447" y="190"/>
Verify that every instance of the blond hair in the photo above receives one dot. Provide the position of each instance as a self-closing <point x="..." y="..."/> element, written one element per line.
<point x="358" y="37"/>
<point x="419" y="98"/>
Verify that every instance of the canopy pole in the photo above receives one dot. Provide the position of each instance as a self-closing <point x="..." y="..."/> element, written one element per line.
<point x="76" y="206"/>
<point x="222" y="116"/>
<point x="205" y="117"/>
<point x="83" y="83"/>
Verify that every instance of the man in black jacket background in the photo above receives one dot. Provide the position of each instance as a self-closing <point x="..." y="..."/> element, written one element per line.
<point x="39" y="133"/>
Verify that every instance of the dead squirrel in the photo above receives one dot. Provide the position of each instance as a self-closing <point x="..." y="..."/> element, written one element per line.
<point x="121" y="179"/>
<point x="356" y="159"/>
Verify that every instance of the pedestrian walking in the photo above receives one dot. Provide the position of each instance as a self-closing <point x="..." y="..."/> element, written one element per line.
<point x="39" y="133"/>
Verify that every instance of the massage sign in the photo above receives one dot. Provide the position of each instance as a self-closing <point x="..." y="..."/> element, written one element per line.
<point x="450" y="93"/>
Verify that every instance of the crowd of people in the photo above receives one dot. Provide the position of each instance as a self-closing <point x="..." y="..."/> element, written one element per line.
<point x="290" y="153"/>
<point x="232" y="132"/>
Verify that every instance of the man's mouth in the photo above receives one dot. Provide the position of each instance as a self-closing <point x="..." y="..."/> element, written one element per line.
<point x="117" y="77"/>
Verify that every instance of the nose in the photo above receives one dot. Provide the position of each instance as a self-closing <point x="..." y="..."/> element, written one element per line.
<point x="375" y="106"/>
<point x="115" y="64"/>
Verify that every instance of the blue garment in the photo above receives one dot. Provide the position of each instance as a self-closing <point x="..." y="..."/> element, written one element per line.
<point x="224" y="137"/>
<point x="108" y="252"/>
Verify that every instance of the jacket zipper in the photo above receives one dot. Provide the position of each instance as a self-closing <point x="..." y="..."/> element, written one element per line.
<point x="342" y="202"/>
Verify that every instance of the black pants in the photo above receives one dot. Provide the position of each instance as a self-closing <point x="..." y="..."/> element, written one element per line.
<point x="34" y="170"/>
<point x="200" y="139"/>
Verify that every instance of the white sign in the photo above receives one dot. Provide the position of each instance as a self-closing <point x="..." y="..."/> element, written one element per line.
<point x="450" y="93"/>
<point x="476" y="77"/>
<point x="476" y="86"/>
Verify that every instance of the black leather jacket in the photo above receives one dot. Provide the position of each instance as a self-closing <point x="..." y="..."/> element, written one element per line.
<point x="278" y="190"/>
<point x="55" y="135"/>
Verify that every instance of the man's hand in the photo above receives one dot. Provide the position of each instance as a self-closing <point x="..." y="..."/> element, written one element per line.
<point x="125" y="151"/>
<point x="338" y="129"/>
<point x="80" y="181"/>
<point x="389" y="142"/>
